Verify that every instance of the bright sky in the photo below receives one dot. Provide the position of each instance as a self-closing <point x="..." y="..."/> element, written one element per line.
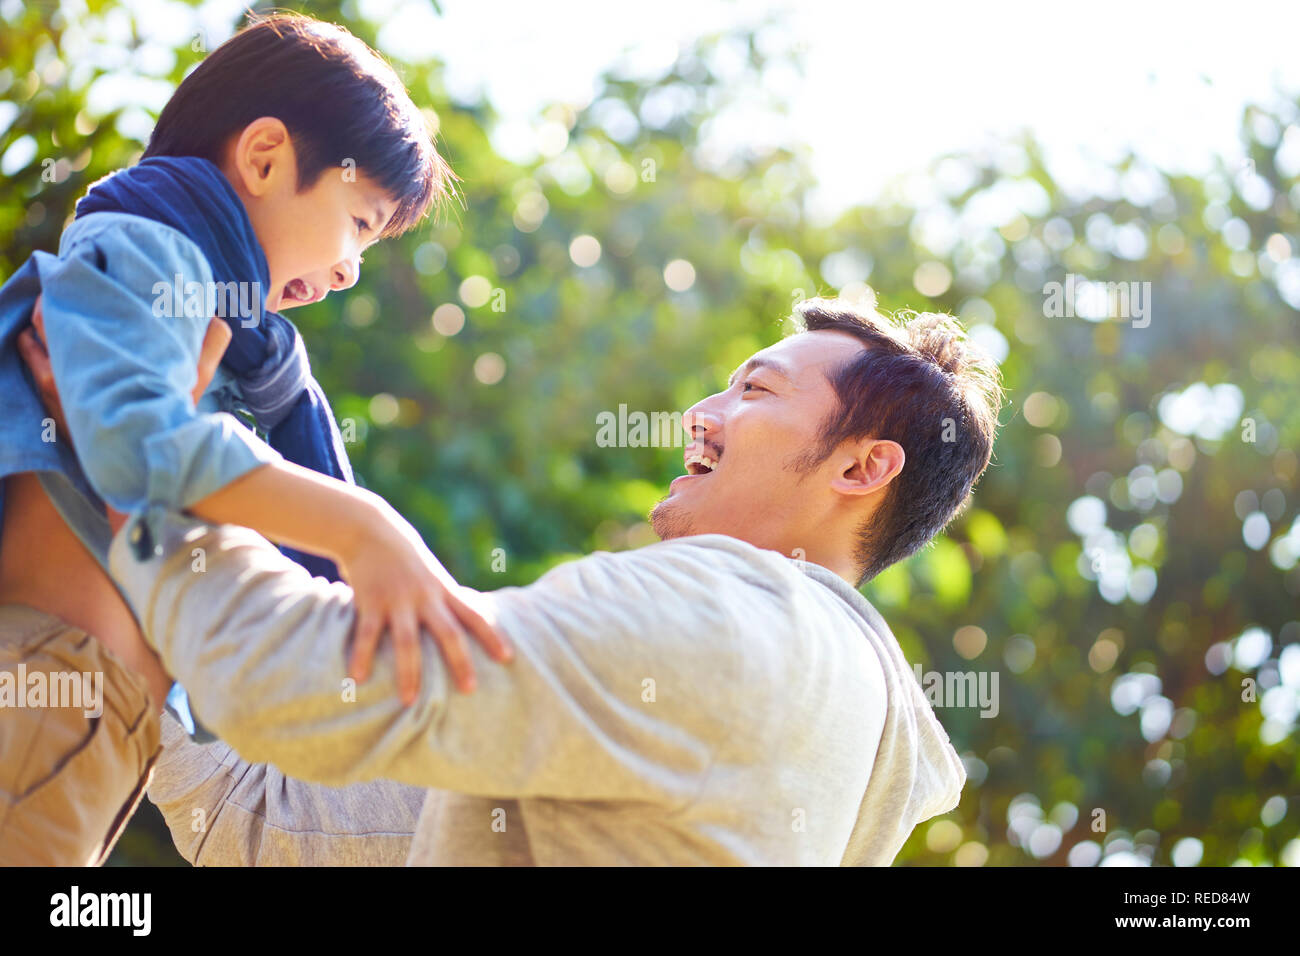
<point x="887" y="86"/>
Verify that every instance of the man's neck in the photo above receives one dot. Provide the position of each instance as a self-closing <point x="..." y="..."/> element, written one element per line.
<point x="843" y="568"/>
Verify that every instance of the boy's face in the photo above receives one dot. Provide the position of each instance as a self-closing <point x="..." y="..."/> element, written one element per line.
<point x="313" y="239"/>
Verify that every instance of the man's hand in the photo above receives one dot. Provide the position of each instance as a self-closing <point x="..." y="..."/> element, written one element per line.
<point x="35" y="353"/>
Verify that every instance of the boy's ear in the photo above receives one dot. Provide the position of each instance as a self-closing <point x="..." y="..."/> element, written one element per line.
<point x="263" y="155"/>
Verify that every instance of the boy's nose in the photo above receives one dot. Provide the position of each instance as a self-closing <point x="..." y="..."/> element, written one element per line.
<point x="345" y="274"/>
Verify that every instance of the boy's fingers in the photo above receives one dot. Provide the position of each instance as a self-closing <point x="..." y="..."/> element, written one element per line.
<point x="476" y="624"/>
<point x="404" y="627"/>
<point x="363" y="647"/>
<point x="451" y="640"/>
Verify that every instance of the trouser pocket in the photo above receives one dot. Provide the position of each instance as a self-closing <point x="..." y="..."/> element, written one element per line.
<point x="77" y="742"/>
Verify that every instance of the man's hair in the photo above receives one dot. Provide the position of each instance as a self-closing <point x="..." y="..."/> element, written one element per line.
<point x="337" y="97"/>
<point x="919" y="383"/>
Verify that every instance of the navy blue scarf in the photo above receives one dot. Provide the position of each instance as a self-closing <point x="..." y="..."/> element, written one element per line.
<point x="268" y="359"/>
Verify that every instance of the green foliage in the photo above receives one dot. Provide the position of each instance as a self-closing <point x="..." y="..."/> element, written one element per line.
<point x="479" y="462"/>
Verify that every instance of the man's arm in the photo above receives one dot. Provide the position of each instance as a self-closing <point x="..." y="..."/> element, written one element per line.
<point x="630" y="673"/>
<point x="223" y="811"/>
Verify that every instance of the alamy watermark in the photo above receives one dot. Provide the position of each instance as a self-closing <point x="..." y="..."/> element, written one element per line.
<point x="1096" y="300"/>
<point x="225" y="300"/>
<point x="130" y="910"/>
<point x="638" y="429"/>
<point x="961" y="689"/>
<point x="83" y="689"/>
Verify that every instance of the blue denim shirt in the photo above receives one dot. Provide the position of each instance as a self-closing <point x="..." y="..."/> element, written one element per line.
<point x="125" y="374"/>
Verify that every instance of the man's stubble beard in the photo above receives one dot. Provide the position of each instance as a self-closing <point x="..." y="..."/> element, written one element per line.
<point x="669" y="520"/>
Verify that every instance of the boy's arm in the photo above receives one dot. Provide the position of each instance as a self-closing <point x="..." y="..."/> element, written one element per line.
<point x="124" y="374"/>
<point x="125" y="371"/>
<point x="629" y="677"/>
<point x="223" y="811"/>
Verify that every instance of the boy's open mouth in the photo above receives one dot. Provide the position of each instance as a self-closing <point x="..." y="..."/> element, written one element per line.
<point x="300" y="292"/>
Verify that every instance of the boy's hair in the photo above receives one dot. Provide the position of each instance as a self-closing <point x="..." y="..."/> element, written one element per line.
<point x="337" y="97"/>
<point x="918" y="382"/>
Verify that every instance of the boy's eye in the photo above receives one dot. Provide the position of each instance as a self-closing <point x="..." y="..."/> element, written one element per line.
<point x="746" y="386"/>
<point x="362" y="225"/>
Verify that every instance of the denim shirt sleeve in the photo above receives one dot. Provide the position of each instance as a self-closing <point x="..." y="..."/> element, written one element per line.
<point x="126" y="365"/>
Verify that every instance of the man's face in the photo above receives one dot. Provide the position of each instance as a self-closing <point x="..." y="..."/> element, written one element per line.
<point x="753" y="436"/>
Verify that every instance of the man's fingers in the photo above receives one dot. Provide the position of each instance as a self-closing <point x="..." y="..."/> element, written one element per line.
<point x="455" y="649"/>
<point x="405" y="629"/>
<point x="38" y="319"/>
<point x="369" y="627"/>
<point x="38" y="360"/>
<point x="485" y="633"/>
<point x="215" y="340"/>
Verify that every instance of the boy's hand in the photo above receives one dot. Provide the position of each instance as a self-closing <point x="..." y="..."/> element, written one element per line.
<point x="32" y="347"/>
<point x="399" y="585"/>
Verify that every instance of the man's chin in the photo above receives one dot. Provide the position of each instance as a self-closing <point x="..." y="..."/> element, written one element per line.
<point x="670" y="520"/>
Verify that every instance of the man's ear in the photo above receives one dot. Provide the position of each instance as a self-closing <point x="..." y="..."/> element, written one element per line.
<point x="262" y="155"/>
<point x="870" y="468"/>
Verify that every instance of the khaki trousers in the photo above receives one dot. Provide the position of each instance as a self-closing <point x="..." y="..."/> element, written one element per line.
<point x="78" y="741"/>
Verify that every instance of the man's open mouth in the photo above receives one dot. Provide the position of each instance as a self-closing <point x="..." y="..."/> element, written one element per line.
<point x="699" y="463"/>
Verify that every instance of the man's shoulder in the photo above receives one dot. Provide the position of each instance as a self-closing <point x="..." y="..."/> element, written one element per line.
<point x="720" y="558"/>
<point x="707" y="595"/>
<point x="711" y="572"/>
<point x="732" y="565"/>
<point x="785" y="648"/>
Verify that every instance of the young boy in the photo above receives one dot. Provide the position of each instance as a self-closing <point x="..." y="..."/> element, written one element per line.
<point x="286" y="153"/>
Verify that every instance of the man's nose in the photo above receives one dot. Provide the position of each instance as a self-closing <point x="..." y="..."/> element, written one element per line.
<point x="344" y="275"/>
<point x="699" y="421"/>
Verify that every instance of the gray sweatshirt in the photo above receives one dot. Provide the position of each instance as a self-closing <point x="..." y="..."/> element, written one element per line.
<point x="697" y="701"/>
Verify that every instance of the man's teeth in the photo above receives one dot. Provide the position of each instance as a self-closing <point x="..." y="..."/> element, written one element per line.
<point x="703" y="461"/>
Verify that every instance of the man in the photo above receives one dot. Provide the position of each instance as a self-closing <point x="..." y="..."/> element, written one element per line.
<point x="703" y="700"/>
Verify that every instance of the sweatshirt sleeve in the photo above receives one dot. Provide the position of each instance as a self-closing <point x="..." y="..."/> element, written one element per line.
<point x="125" y="366"/>
<point x="223" y="811"/>
<point x="629" y="674"/>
